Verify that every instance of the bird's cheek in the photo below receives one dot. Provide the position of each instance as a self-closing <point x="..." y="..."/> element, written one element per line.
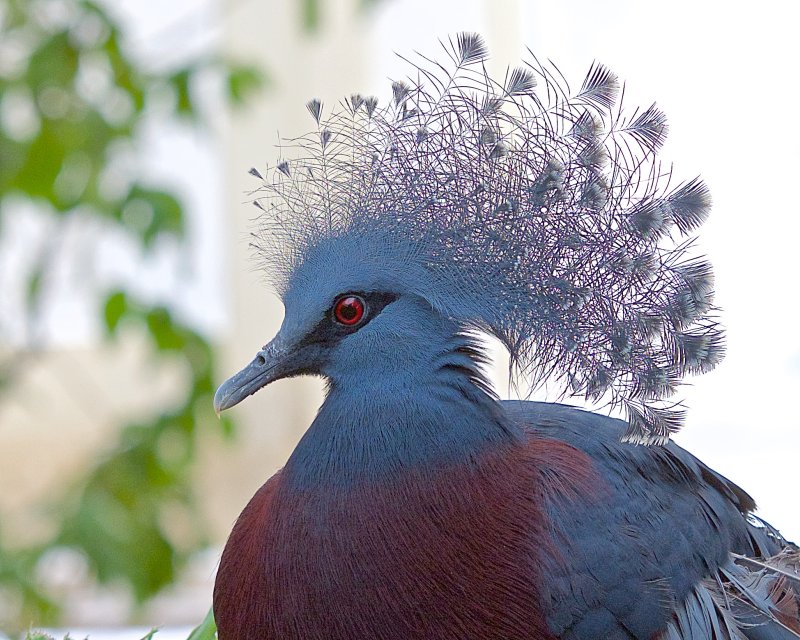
<point x="306" y="360"/>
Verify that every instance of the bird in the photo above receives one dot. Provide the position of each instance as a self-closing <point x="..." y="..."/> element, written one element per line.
<point x="418" y="504"/>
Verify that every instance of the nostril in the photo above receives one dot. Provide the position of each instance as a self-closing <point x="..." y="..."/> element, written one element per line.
<point x="260" y="360"/>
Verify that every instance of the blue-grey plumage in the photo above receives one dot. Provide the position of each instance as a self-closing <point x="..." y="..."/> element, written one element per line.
<point x="418" y="504"/>
<point x="660" y="543"/>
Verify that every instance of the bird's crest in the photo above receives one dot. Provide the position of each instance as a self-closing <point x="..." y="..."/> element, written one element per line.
<point x="541" y="216"/>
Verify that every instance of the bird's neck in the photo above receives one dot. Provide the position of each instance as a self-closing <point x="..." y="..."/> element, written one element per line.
<point x="367" y="431"/>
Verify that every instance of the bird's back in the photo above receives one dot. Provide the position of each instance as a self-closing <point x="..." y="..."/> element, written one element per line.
<point x="652" y="547"/>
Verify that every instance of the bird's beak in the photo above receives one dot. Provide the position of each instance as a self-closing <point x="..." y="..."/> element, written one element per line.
<point x="268" y="365"/>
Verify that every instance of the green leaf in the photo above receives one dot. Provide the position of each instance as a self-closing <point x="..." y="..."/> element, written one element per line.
<point x="117" y="521"/>
<point x="150" y="213"/>
<point x="310" y="15"/>
<point x="54" y="149"/>
<point x="115" y="308"/>
<point x="53" y="63"/>
<point x="41" y="162"/>
<point x="126" y="76"/>
<point x="12" y="156"/>
<point x="14" y="15"/>
<point x="34" y="285"/>
<point x="243" y="82"/>
<point x="180" y="83"/>
<point x="166" y="335"/>
<point x="167" y="212"/>
<point x="206" y="630"/>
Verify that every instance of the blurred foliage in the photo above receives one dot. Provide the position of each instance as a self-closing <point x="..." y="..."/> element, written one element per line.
<point x="71" y="98"/>
<point x="311" y="12"/>
<point x="206" y="630"/>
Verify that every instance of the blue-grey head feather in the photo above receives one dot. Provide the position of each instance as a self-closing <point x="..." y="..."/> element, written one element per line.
<point x="516" y="208"/>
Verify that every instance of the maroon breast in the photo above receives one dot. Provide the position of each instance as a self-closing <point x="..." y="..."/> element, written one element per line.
<point x="442" y="553"/>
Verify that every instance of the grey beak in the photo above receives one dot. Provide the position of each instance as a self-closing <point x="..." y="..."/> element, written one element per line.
<point x="263" y="369"/>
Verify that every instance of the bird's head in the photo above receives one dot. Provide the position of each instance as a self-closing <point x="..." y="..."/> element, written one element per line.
<point x="357" y="307"/>
<point x="466" y="204"/>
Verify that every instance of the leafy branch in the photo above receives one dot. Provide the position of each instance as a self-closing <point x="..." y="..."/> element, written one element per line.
<point x="74" y="103"/>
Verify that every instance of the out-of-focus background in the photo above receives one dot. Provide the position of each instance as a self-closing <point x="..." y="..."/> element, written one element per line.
<point x="127" y="292"/>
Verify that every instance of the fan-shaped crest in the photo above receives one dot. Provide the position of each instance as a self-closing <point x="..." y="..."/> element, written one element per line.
<point x="544" y="216"/>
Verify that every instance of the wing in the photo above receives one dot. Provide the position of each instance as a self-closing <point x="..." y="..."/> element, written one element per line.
<point x="666" y="548"/>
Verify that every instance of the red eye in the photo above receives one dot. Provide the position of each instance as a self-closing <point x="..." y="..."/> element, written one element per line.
<point x="349" y="310"/>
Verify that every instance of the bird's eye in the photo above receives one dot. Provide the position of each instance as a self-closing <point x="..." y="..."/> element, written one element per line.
<point x="349" y="310"/>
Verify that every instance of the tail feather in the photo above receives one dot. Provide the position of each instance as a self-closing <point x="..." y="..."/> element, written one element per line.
<point x="770" y="587"/>
<point x="703" y="616"/>
<point x="748" y="599"/>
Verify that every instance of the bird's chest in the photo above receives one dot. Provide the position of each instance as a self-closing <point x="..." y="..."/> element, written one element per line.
<point x="450" y="554"/>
